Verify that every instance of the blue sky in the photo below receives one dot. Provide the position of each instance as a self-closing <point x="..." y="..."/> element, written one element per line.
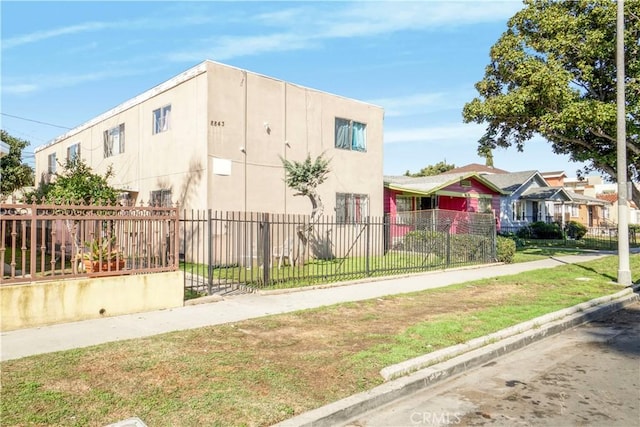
<point x="64" y="63"/>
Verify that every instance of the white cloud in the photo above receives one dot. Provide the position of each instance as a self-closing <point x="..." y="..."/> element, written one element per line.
<point x="300" y="27"/>
<point x="19" y="88"/>
<point x="67" y="80"/>
<point x="304" y="27"/>
<point x="422" y="103"/>
<point x="47" y="34"/>
<point x="225" y="48"/>
<point x="455" y="134"/>
<point x="130" y="25"/>
<point x="372" y="18"/>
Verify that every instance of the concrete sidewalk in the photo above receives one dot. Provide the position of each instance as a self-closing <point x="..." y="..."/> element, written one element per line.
<point x="65" y="336"/>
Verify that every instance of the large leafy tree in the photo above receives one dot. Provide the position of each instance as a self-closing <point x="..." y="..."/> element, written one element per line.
<point x="14" y="173"/>
<point x="78" y="183"/>
<point x="437" y="169"/>
<point x="553" y="73"/>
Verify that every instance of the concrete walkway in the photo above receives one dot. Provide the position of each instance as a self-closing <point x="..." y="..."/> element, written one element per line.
<point x="65" y="336"/>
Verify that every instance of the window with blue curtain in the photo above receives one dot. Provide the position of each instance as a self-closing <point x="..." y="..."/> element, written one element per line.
<point x="351" y="135"/>
<point x="358" y="139"/>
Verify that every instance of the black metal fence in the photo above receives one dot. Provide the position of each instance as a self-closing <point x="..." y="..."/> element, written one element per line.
<point x="600" y="238"/>
<point x="226" y="251"/>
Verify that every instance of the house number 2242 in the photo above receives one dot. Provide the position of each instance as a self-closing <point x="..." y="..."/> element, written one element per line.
<point x="217" y="123"/>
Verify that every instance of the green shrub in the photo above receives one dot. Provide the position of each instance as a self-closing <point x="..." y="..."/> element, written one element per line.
<point x="524" y="233"/>
<point x="520" y="243"/>
<point x="424" y="241"/>
<point x="462" y="247"/>
<point x="470" y="248"/>
<point x="505" y="249"/>
<point x="543" y="230"/>
<point x="575" y="230"/>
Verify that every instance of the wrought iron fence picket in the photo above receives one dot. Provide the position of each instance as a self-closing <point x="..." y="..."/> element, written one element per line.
<point x="235" y="250"/>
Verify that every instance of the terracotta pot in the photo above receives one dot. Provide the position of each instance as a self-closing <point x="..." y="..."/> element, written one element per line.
<point x="96" y="266"/>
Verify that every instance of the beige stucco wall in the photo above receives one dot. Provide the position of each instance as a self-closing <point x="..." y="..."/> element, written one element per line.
<point x="175" y="159"/>
<point x="266" y="119"/>
<point x="246" y="119"/>
<point x="41" y="303"/>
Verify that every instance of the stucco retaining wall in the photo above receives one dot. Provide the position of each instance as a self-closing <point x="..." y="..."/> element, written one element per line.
<point x="41" y="303"/>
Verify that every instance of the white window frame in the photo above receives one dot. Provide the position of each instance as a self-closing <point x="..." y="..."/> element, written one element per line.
<point x="351" y="208"/>
<point x="52" y="163"/>
<point x="113" y="139"/>
<point x="162" y="119"/>
<point x="73" y="151"/>
<point x="402" y="202"/>
<point x="519" y="208"/>
<point x="575" y="211"/>
<point x="344" y="131"/>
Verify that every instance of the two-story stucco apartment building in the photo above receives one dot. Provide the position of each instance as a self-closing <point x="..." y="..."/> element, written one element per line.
<point x="213" y="138"/>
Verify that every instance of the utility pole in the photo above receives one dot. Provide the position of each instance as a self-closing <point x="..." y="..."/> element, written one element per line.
<point x="624" y="271"/>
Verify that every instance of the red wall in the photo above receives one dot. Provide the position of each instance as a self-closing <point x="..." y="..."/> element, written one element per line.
<point x="453" y="203"/>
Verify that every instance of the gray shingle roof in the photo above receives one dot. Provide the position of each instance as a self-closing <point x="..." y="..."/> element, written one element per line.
<point x="422" y="183"/>
<point x="510" y="182"/>
<point x="546" y="193"/>
<point x="587" y="200"/>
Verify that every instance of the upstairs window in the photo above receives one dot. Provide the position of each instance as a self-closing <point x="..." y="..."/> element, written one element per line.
<point x="73" y="152"/>
<point x="114" y="141"/>
<point x="351" y="208"/>
<point x="161" y="119"/>
<point x="351" y="135"/>
<point x="160" y="198"/>
<point x="51" y="165"/>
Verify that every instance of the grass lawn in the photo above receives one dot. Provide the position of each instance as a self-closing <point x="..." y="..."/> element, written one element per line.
<point x="318" y="271"/>
<point x="262" y="371"/>
<point x="537" y="253"/>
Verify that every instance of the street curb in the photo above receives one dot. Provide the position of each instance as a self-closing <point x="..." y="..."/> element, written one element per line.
<point x="430" y="369"/>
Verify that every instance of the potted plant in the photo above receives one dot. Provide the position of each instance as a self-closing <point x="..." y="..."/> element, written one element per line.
<point x="102" y="255"/>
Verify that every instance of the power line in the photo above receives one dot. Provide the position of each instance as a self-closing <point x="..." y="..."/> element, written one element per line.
<point x="36" y="121"/>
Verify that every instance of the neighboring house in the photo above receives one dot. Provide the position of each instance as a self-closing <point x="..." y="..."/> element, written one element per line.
<point x="528" y="198"/>
<point x="405" y="197"/>
<point x="469" y="192"/>
<point x="584" y="206"/>
<point x="213" y="138"/>
<point x="611" y="218"/>
<point x="555" y="178"/>
<point x="587" y="210"/>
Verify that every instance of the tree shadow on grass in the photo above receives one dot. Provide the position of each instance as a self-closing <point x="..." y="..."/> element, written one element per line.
<point x="592" y="270"/>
